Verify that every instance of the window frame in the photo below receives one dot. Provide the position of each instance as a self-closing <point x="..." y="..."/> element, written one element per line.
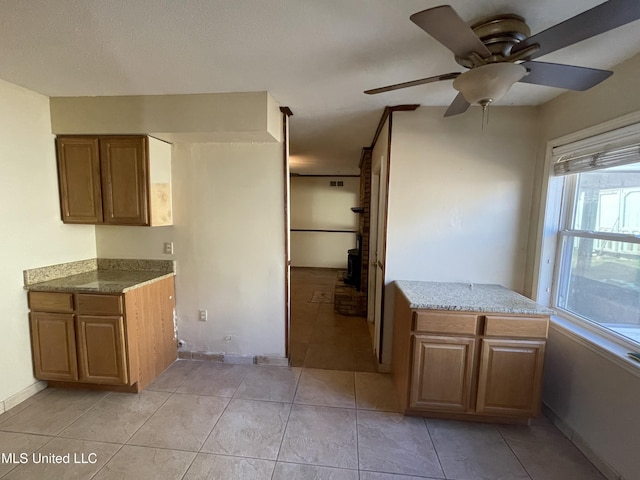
<point x="555" y="213"/>
<point x="566" y="235"/>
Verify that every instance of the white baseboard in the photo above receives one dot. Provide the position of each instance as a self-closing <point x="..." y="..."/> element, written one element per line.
<point x="234" y="359"/>
<point x="238" y="359"/>
<point x="276" y="361"/>
<point x="21" y="396"/>
<point x="607" y="470"/>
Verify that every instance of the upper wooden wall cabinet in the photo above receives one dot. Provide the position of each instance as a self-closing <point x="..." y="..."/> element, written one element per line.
<point x="114" y="180"/>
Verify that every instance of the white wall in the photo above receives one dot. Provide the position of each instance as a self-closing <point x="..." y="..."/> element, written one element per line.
<point x="590" y="394"/>
<point x="459" y="198"/>
<point x="33" y="234"/>
<point x="597" y="399"/>
<point x="211" y="117"/>
<point x="228" y="239"/>
<point x="315" y="205"/>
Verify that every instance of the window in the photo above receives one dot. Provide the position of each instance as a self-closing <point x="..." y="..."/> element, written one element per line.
<point x="597" y="272"/>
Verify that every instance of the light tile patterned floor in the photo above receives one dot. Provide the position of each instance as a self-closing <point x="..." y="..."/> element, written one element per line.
<point x="273" y="423"/>
<point x="333" y="419"/>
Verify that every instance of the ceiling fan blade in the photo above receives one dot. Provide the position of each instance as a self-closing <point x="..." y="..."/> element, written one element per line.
<point x="600" y="19"/>
<point x="563" y="76"/>
<point x="413" y="83"/>
<point x="459" y="105"/>
<point x="446" y="26"/>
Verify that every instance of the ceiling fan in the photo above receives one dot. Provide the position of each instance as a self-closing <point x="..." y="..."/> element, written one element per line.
<point x="499" y="51"/>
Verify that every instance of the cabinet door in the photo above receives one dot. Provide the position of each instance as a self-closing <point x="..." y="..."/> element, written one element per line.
<point x="510" y="377"/>
<point x="124" y="165"/>
<point x="442" y="373"/>
<point x="101" y="349"/>
<point x="53" y="344"/>
<point x="79" y="179"/>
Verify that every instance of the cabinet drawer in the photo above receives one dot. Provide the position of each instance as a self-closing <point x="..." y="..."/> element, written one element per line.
<point x="51" y="302"/>
<point x="516" y="326"/>
<point x="87" y="303"/>
<point x="445" y="322"/>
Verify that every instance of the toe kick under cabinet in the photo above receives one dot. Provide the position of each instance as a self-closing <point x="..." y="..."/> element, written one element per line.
<point x="468" y="365"/>
<point x="112" y="341"/>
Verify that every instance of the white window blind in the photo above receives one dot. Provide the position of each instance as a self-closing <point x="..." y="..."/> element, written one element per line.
<point x="610" y="149"/>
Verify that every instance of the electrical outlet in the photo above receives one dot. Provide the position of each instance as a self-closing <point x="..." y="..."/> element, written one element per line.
<point x="203" y="315"/>
<point x="168" y="248"/>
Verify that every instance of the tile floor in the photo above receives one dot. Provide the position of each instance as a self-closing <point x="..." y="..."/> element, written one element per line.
<point x="331" y="417"/>
<point x="212" y="420"/>
<point x="321" y="338"/>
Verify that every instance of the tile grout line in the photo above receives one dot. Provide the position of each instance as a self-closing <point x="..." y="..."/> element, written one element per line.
<point x="221" y="414"/>
<point x="34" y="451"/>
<point x="108" y="461"/>
<point x="286" y="425"/>
<point x="426" y="425"/>
<point x="357" y="444"/>
<point x="355" y="401"/>
<point x="126" y="443"/>
<point x="506" y="442"/>
<point x="100" y="441"/>
<point x="207" y="438"/>
<point x="171" y="394"/>
<point x="57" y="435"/>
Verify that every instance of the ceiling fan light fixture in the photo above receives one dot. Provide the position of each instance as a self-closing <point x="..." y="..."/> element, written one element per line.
<point x="488" y="83"/>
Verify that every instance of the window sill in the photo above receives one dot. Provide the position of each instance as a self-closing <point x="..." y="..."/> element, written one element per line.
<point x="594" y="341"/>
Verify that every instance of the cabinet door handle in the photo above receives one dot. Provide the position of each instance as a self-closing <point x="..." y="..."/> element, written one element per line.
<point x="170" y="297"/>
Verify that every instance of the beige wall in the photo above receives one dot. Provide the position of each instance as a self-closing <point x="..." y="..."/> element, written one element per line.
<point x="228" y="239"/>
<point x="33" y="235"/>
<point x="197" y="118"/>
<point x="228" y="210"/>
<point x="459" y="198"/>
<point x="587" y="391"/>
<point x="315" y="205"/>
<point x="597" y="399"/>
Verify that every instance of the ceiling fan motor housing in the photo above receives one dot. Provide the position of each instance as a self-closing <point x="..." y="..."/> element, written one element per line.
<point x="500" y="50"/>
<point x="499" y="34"/>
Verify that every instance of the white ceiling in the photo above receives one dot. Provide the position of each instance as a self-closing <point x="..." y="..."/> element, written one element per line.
<point x="315" y="56"/>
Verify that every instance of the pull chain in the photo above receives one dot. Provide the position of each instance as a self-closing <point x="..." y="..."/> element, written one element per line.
<point x="485" y="112"/>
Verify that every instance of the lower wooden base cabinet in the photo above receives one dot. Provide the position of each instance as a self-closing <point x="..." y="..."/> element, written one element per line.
<point x="53" y="341"/>
<point x="466" y="365"/>
<point x="101" y="350"/>
<point x="510" y="377"/>
<point x="442" y="372"/>
<point x="122" y="341"/>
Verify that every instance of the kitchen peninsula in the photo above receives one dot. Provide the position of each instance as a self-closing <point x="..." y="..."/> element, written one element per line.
<point x="468" y="351"/>
<point x="102" y="323"/>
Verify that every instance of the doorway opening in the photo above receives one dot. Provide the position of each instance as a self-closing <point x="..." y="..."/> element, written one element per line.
<point x="328" y="326"/>
<point x="321" y="337"/>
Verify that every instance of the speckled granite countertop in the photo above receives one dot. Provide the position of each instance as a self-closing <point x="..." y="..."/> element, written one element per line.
<point x="98" y="275"/>
<point x="468" y="297"/>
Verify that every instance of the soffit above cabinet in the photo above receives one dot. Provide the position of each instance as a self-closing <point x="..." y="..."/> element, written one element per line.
<point x="197" y="118"/>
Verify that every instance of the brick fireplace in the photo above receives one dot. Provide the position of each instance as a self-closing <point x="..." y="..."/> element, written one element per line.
<point x="350" y="296"/>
